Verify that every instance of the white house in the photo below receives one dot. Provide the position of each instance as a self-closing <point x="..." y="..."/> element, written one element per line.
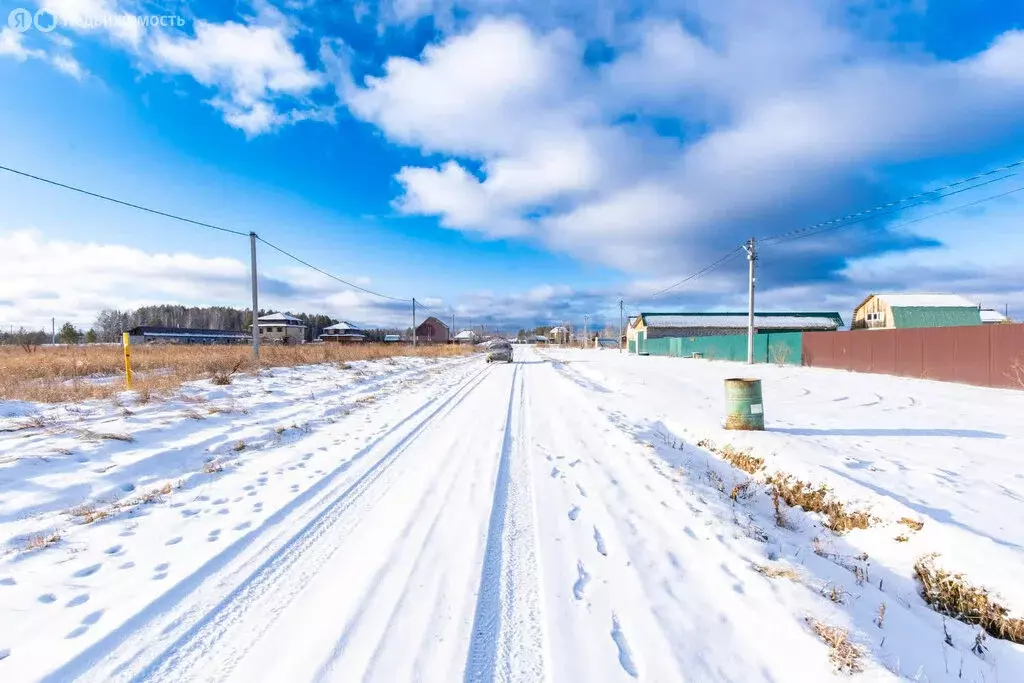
<point x="466" y="337"/>
<point x="344" y="332"/>
<point x="282" y="328"/>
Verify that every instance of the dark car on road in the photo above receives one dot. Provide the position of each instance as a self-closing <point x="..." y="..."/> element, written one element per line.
<point x="499" y="350"/>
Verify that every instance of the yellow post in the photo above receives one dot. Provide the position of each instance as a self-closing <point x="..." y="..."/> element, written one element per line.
<point x="127" y="360"/>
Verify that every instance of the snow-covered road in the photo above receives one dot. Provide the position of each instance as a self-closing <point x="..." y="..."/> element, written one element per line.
<point x="472" y="522"/>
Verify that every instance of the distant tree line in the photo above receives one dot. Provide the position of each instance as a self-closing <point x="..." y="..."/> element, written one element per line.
<point x="111" y="323"/>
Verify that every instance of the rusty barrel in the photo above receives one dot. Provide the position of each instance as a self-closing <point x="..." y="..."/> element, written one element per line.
<point x="743" y="406"/>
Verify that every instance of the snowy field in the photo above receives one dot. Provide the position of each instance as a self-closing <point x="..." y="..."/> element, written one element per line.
<point x="548" y="520"/>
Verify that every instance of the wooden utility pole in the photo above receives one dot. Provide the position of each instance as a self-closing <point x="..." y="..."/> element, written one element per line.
<point x="414" y="321"/>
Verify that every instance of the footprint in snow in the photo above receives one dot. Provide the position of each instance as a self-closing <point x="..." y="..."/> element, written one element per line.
<point x="243" y="526"/>
<point x="114" y="549"/>
<point x="174" y="541"/>
<point x="555" y="472"/>
<point x="295" y="488"/>
<point x="214" y="535"/>
<point x="127" y="565"/>
<point x="223" y="511"/>
<point x="579" y="588"/>
<point x="583" y="491"/>
<point x="574" y="512"/>
<point x="220" y="501"/>
<point x="87" y="571"/>
<point x="625" y="653"/>
<point x="78" y="600"/>
<point x="599" y="542"/>
<point x="47" y="598"/>
<point x="8" y="581"/>
<point x="202" y="498"/>
<point x="575" y="462"/>
<point x="258" y="507"/>
<point x="92" y="617"/>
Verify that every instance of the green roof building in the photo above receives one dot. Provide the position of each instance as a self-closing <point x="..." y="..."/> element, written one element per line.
<point x="903" y="311"/>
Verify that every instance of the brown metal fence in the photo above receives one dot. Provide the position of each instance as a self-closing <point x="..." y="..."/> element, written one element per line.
<point x="986" y="355"/>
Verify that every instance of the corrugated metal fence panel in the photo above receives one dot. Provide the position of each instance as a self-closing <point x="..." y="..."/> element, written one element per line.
<point x="784" y="348"/>
<point x="981" y="355"/>
<point x="1007" y="365"/>
<point x="909" y="351"/>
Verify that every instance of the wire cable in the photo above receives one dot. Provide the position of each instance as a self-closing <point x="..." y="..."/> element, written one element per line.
<point x="122" y="202"/>
<point x="927" y="217"/>
<point x="330" y="275"/>
<point x="698" y="274"/>
<point x="915" y="200"/>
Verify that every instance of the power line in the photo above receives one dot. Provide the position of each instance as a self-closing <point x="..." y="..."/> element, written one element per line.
<point x="698" y="274"/>
<point x="916" y="200"/>
<point x="929" y="216"/>
<point x="121" y="202"/>
<point x="330" y="275"/>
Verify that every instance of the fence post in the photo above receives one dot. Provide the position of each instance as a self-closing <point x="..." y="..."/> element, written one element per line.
<point x="126" y="341"/>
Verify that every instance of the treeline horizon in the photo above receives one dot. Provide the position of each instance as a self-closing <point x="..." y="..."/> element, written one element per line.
<point x="111" y="323"/>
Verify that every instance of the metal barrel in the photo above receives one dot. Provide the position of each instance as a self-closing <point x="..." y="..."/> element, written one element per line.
<point x="743" y="406"/>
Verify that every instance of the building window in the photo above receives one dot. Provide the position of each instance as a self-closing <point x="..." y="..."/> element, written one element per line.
<point x="875" y="317"/>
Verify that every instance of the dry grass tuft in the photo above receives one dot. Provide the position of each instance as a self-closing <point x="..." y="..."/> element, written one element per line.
<point x="911" y="523"/>
<point x="87" y="514"/>
<point x="741" y="490"/>
<point x="90" y="435"/>
<point x="213" y="467"/>
<point x="742" y="459"/>
<point x="818" y="499"/>
<point x="76" y="373"/>
<point x="40" y="541"/>
<point x="843" y="653"/>
<point x="950" y="594"/>
<point x="902" y="539"/>
<point x="777" y="571"/>
<point x="238" y="447"/>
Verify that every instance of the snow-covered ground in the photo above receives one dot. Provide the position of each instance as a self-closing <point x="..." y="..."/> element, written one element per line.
<point x="551" y="519"/>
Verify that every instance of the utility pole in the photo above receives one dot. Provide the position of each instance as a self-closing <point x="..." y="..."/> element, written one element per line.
<point x="255" y="299"/>
<point x="620" y="325"/>
<point x="414" y="321"/>
<point x="53" y="331"/>
<point x="586" y="329"/>
<point x="751" y="249"/>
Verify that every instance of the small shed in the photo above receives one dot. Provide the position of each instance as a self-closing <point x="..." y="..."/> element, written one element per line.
<point x="467" y="337"/>
<point x="902" y="311"/>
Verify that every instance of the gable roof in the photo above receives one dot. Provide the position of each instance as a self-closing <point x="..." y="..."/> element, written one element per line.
<point x="762" y="321"/>
<point x="466" y="334"/>
<point x="341" y="326"/>
<point x="434" y="320"/>
<point x="926" y="300"/>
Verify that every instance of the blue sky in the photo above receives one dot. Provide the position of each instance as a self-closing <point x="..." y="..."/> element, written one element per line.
<point x="511" y="160"/>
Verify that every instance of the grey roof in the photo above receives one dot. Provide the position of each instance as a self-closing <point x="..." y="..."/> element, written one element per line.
<point x="739" y="321"/>
<point x="343" y="325"/>
<point x="279" y="318"/>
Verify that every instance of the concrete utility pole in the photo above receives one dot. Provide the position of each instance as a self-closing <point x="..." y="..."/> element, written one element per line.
<point x="586" y="329"/>
<point x="751" y="249"/>
<point x="414" y="321"/>
<point x="53" y="331"/>
<point x="620" y="325"/>
<point x="255" y="299"/>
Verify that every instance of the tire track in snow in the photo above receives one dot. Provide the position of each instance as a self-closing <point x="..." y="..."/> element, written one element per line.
<point x="205" y="601"/>
<point x="508" y="641"/>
